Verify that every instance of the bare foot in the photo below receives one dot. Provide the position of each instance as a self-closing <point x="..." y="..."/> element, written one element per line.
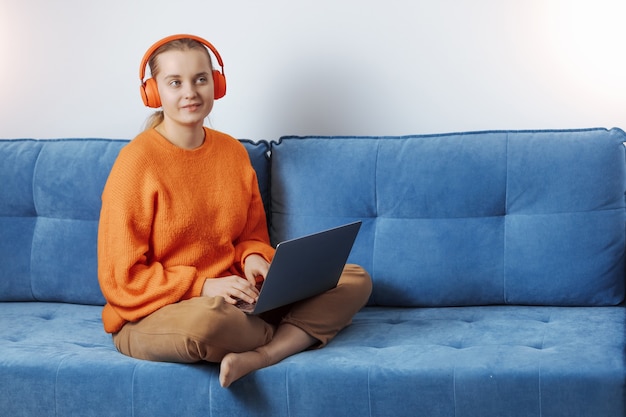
<point x="237" y="365"/>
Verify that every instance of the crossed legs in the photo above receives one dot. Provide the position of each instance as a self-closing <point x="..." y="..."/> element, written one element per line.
<point x="209" y="329"/>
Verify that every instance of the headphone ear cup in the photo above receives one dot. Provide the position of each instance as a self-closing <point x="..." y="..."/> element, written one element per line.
<point x="219" y="85"/>
<point x="150" y="93"/>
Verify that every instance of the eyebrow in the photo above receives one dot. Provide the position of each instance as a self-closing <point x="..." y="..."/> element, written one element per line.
<point x="200" y="74"/>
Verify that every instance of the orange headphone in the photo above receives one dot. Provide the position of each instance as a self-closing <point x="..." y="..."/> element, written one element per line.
<point x="148" y="88"/>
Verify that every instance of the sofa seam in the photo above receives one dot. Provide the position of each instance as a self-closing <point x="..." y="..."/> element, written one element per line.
<point x="451" y="133"/>
<point x="56" y="385"/>
<point x="539" y="380"/>
<point x="504" y="221"/>
<point x="269" y="206"/>
<point x="132" y="394"/>
<point x="454" y="389"/>
<point x="36" y="216"/>
<point x="375" y="215"/>
<point x="287" y="399"/>
<point x="369" y="390"/>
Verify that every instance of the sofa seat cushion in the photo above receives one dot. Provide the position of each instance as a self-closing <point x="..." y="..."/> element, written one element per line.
<point x="487" y="361"/>
<point x="56" y="360"/>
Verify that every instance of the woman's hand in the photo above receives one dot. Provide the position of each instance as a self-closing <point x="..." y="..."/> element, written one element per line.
<point x="255" y="268"/>
<point x="233" y="288"/>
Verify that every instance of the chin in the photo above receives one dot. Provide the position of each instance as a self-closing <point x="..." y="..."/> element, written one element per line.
<point x="196" y="119"/>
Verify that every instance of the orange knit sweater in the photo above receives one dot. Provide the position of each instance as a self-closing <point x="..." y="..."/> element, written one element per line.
<point x="171" y="218"/>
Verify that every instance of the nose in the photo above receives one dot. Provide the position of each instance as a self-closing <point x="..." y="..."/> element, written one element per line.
<point x="190" y="90"/>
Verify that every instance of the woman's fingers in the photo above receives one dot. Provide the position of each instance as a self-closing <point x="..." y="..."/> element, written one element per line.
<point x="232" y="288"/>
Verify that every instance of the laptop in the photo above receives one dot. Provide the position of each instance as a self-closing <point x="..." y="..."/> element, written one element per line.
<point x="304" y="267"/>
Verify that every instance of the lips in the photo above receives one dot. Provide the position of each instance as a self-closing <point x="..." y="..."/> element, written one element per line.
<point x="192" y="107"/>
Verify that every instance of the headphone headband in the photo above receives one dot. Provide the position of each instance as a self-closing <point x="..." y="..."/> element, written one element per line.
<point x="148" y="88"/>
<point x="157" y="45"/>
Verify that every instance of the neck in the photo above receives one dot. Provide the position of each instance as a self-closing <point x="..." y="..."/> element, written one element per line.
<point x="186" y="137"/>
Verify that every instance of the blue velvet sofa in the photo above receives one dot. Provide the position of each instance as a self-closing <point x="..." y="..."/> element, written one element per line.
<point x="497" y="260"/>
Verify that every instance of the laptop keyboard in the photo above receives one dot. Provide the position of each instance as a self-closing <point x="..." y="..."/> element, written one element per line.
<point x="244" y="305"/>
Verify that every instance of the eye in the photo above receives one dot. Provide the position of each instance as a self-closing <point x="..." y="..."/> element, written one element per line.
<point x="202" y="80"/>
<point x="174" y="83"/>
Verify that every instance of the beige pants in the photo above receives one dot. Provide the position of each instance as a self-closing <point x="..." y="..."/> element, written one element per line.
<point x="207" y="328"/>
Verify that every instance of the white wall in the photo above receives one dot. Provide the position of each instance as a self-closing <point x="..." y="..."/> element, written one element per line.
<point x="69" y="68"/>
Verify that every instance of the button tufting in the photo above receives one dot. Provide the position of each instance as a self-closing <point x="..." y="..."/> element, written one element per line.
<point x="13" y="339"/>
<point x="47" y="316"/>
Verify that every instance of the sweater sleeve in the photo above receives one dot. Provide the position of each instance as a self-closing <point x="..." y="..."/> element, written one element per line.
<point x="133" y="284"/>
<point x="255" y="236"/>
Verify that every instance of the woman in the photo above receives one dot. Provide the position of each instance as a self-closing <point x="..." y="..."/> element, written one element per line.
<point x="182" y="236"/>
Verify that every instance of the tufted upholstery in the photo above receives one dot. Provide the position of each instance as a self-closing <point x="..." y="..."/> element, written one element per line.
<point x="464" y="361"/>
<point x="466" y="218"/>
<point x="497" y="259"/>
<point x="49" y="212"/>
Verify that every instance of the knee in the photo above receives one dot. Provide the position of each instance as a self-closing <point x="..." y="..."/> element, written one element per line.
<point x="208" y="315"/>
<point x="359" y="281"/>
<point x="206" y="328"/>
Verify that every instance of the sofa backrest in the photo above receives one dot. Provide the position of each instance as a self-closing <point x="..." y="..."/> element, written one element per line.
<point x="501" y="217"/>
<point x="498" y="217"/>
<point x="49" y="208"/>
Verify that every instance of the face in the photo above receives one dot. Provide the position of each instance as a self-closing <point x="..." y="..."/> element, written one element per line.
<point x="185" y="85"/>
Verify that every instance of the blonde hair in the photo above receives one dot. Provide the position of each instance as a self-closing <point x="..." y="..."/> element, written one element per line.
<point x="184" y="44"/>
